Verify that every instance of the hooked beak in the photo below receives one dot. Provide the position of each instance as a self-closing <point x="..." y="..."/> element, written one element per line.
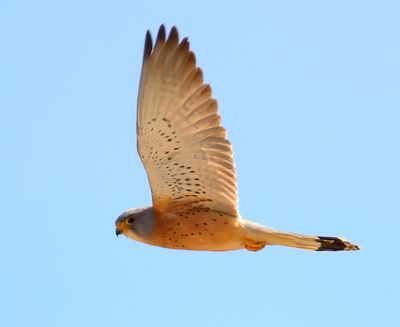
<point x="120" y="227"/>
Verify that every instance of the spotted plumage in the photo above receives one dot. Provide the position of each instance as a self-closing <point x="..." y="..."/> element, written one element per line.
<point x="189" y="163"/>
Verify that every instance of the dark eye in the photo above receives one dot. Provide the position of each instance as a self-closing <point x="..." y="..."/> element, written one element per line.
<point x="130" y="220"/>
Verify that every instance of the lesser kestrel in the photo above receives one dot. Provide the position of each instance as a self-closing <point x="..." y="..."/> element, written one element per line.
<point x="189" y="163"/>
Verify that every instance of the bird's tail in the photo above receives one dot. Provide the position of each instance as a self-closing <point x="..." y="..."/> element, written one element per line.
<point x="257" y="236"/>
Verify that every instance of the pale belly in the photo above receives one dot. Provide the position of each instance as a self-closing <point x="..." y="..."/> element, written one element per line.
<point x="206" y="231"/>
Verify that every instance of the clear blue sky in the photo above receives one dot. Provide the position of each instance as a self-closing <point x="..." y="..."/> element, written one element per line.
<point x="310" y="94"/>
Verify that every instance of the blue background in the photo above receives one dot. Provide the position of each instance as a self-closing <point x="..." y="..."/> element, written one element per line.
<point x="309" y="93"/>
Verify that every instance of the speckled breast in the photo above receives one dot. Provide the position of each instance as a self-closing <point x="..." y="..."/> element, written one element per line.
<point x="210" y="231"/>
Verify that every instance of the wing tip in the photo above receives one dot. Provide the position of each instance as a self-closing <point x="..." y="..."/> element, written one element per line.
<point x="160" y="35"/>
<point x="173" y="35"/>
<point x="184" y="43"/>
<point x="148" y="45"/>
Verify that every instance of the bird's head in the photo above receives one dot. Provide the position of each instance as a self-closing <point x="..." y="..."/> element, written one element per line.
<point x="137" y="223"/>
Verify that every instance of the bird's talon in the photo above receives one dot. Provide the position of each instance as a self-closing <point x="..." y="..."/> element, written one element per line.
<point x="252" y="245"/>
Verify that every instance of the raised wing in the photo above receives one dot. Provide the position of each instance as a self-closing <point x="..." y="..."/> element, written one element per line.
<point x="181" y="143"/>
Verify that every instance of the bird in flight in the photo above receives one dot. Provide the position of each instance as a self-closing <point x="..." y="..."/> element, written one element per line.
<point x="189" y="163"/>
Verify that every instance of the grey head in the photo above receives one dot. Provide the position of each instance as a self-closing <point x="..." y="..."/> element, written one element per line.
<point x="136" y="223"/>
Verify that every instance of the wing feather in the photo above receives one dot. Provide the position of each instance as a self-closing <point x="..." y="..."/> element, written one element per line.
<point x="182" y="145"/>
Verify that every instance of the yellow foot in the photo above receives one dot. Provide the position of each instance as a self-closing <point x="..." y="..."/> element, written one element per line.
<point x="252" y="245"/>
